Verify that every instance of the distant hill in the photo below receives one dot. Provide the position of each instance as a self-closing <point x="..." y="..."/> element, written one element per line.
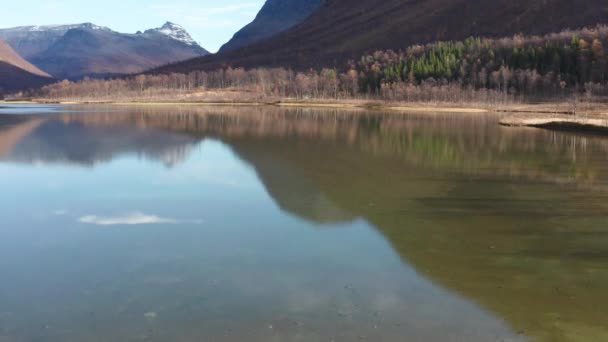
<point x="75" y="51"/>
<point x="29" y="41"/>
<point x="275" y="16"/>
<point x="17" y="74"/>
<point x="343" y="29"/>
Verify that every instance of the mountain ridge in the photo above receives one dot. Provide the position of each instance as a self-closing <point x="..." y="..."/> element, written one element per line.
<point x="29" y="41"/>
<point x="80" y="50"/>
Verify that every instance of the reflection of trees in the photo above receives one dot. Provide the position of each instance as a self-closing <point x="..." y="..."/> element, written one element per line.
<point x="467" y="142"/>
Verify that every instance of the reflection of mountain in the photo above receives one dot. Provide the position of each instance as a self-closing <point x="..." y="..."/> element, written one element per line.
<point x="297" y="194"/>
<point x="55" y="141"/>
<point x="494" y="214"/>
<point x="515" y="244"/>
<point x="13" y="129"/>
<point x="495" y="242"/>
<point x="490" y="228"/>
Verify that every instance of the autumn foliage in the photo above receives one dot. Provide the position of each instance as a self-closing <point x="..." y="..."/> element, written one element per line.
<point x="477" y="69"/>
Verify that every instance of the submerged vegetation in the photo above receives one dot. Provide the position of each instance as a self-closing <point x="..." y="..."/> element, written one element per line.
<point x="569" y="63"/>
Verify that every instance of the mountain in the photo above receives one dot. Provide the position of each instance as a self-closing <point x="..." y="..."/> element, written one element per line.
<point x="29" y="41"/>
<point x="175" y="32"/>
<point x="76" y="51"/>
<point x="275" y="16"/>
<point x="16" y="73"/>
<point x="343" y="29"/>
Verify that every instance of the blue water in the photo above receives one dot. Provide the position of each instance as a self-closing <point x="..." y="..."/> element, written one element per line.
<point x="127" y="229"/>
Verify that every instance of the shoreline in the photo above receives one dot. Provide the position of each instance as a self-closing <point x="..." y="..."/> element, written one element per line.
<point x="470" y="107"/>
<point x="556" y="115"/>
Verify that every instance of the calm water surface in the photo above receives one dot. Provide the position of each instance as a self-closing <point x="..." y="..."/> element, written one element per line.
<point x="267" y="224"/>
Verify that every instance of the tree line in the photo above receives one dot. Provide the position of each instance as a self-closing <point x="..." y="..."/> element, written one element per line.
<point x="534" y="66"/>
<point x="476" y="69"/>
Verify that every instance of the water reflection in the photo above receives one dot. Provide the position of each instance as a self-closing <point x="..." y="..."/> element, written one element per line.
<point x="44" y="140"/>
<point x="512" y="220"/>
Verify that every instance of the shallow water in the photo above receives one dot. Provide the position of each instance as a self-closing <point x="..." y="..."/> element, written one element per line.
<point x="267" y="224"/>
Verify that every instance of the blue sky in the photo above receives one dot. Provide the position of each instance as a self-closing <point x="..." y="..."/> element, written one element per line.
<point x="210" y="22"/>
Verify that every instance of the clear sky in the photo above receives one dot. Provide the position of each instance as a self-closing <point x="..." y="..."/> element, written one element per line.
<point x="210" y="22"/>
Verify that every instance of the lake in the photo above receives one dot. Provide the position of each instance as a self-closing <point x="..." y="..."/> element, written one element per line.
<point x="186" y="223"/>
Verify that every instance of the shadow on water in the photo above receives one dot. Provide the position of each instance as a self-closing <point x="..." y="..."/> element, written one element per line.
<point x="513" y="219"/>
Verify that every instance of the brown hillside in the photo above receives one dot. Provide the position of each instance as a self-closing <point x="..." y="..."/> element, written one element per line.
<point x="9" y="56"/>
<point x="17" y="74"/>
<point x="343" y="29"/>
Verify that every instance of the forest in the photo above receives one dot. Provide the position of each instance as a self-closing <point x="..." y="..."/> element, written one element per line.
<point x="518" y="68"/>
<point x="536" y="66"/>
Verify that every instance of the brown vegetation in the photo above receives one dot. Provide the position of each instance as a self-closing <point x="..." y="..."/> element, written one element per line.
<point x="258" y="85"/>
<point x="570" y="66"/>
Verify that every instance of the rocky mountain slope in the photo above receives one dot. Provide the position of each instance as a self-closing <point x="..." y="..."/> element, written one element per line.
<point x="275" y="16"/>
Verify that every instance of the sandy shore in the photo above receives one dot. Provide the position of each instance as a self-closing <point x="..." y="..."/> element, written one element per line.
<point x="597" y="123"/>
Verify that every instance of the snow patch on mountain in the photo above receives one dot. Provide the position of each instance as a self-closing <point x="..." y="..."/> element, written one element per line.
<point x="61" y="27"/>
<point x="176" y="32"/>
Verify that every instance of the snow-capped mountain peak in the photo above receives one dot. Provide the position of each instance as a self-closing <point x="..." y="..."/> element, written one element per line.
<point x="59" y="29"/>
<point x="176" y="32"/>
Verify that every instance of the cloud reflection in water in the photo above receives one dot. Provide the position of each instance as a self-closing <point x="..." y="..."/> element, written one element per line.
<point x="135" y="218"/>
